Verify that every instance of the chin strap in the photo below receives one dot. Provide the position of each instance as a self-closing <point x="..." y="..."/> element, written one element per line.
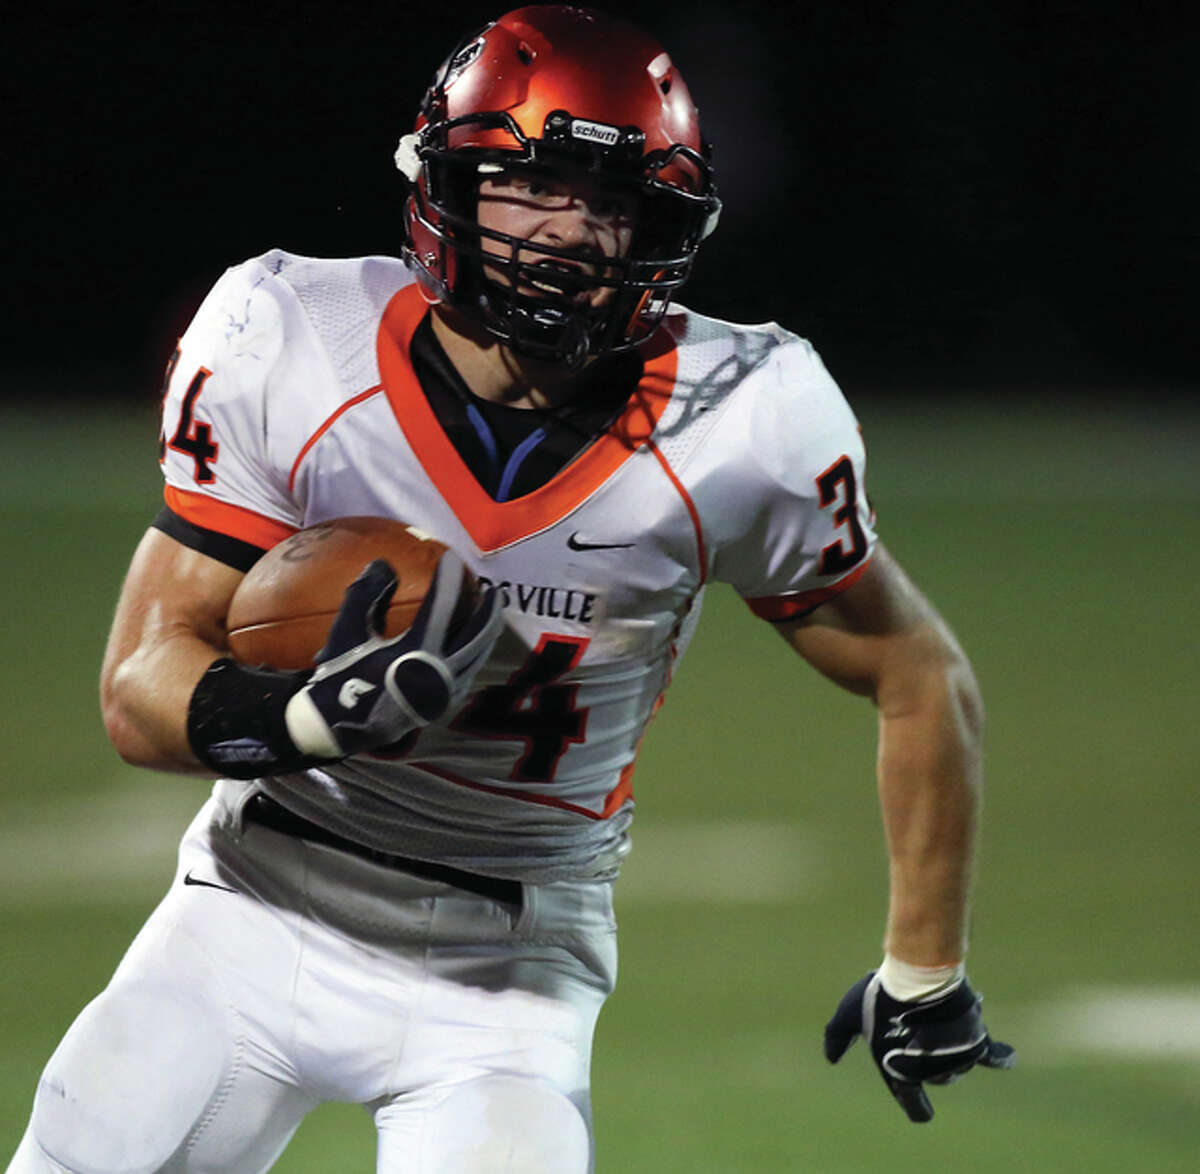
<point x="547" y="333"/>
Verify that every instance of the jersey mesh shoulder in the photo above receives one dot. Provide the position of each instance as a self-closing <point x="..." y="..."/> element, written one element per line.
<point x="715" y="358"/>
<point x="773" y="457"/>
<point x="279" y="344"/>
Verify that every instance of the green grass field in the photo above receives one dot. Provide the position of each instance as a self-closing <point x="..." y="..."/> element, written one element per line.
<point x="1060" y="536"/>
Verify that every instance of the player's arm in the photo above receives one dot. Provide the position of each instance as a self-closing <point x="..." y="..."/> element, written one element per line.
<point x="168" y="629"/>
<point x="881" y="638"/>
<point x="174" y="700"/>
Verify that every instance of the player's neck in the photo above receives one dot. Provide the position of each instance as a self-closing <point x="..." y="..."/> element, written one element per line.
<point x="493" y="372"/>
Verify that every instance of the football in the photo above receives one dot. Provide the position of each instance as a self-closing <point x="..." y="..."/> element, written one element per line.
<point x="282" y="610"/>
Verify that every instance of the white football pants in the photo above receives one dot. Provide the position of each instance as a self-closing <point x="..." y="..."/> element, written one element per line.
<point x="463" y="1025"/>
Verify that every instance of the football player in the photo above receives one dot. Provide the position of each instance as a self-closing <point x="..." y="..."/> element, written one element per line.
<point x="400" y="892"/>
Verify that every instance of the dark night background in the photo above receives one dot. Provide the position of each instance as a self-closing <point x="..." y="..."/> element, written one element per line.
<point x="939" y="195"/>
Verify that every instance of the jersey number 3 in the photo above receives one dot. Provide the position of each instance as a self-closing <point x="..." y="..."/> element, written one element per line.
<point x="839" y="485"/>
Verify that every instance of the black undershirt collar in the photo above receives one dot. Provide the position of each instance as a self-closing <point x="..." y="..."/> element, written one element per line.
<point x="513" y="451"/>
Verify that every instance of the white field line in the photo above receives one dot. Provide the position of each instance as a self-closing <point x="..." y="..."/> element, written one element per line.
<point x="101" y="848"/>
<point x="1114" y="1022"/>
<point x="123" y="841"/>
<point x="721" y="862"/>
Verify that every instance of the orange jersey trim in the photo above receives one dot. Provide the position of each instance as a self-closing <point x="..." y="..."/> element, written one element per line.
<point x="308" y="444"/>
<point x="492" y="524"/>
<point x="787" y="607"/>
<point x="231" y="520"/>
<point x="612" y="803"/>
<point x="693" y="513"/>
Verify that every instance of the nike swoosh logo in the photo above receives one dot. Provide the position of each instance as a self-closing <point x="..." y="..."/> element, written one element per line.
<point x="577" y="543"/>
<point x="191" y="880"/>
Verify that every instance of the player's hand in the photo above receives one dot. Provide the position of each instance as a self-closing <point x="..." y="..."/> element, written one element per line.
<point x="368" y="692"/>
<point x="929" y="1041"/>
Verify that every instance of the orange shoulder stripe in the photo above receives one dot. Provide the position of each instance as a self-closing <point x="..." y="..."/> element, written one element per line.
<point x="358" y="399"/>
<point x="693" y="513"/>
<point x="787" y="607"/>
<point x="232" y="520"/>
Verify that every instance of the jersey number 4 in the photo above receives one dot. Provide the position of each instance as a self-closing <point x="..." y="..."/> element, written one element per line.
<point x="532" y="708"/>
<point x="191" y="436"/>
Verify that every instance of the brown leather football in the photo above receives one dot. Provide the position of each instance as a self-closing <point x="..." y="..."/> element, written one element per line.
<point x="282" y="610"/>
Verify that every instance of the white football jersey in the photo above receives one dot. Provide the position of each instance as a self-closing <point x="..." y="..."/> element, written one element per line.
<point x="293" y="400"/>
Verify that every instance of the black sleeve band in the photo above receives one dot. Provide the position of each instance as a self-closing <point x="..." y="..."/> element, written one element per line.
<point x="233" y="552"/>
<point x="235" y="721"/>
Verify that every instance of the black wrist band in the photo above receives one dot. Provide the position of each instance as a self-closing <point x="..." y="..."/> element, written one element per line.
<point x="235" y="721"/>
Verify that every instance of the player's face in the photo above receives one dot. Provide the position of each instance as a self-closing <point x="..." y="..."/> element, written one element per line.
<point x="592" y="221"/>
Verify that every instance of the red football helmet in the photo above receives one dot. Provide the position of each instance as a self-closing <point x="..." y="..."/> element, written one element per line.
<point x="568" y="91"/>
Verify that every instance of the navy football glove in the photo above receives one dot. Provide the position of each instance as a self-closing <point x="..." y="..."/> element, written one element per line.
<point x="927" y="1041"/>
<point x="368" y="692"/>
